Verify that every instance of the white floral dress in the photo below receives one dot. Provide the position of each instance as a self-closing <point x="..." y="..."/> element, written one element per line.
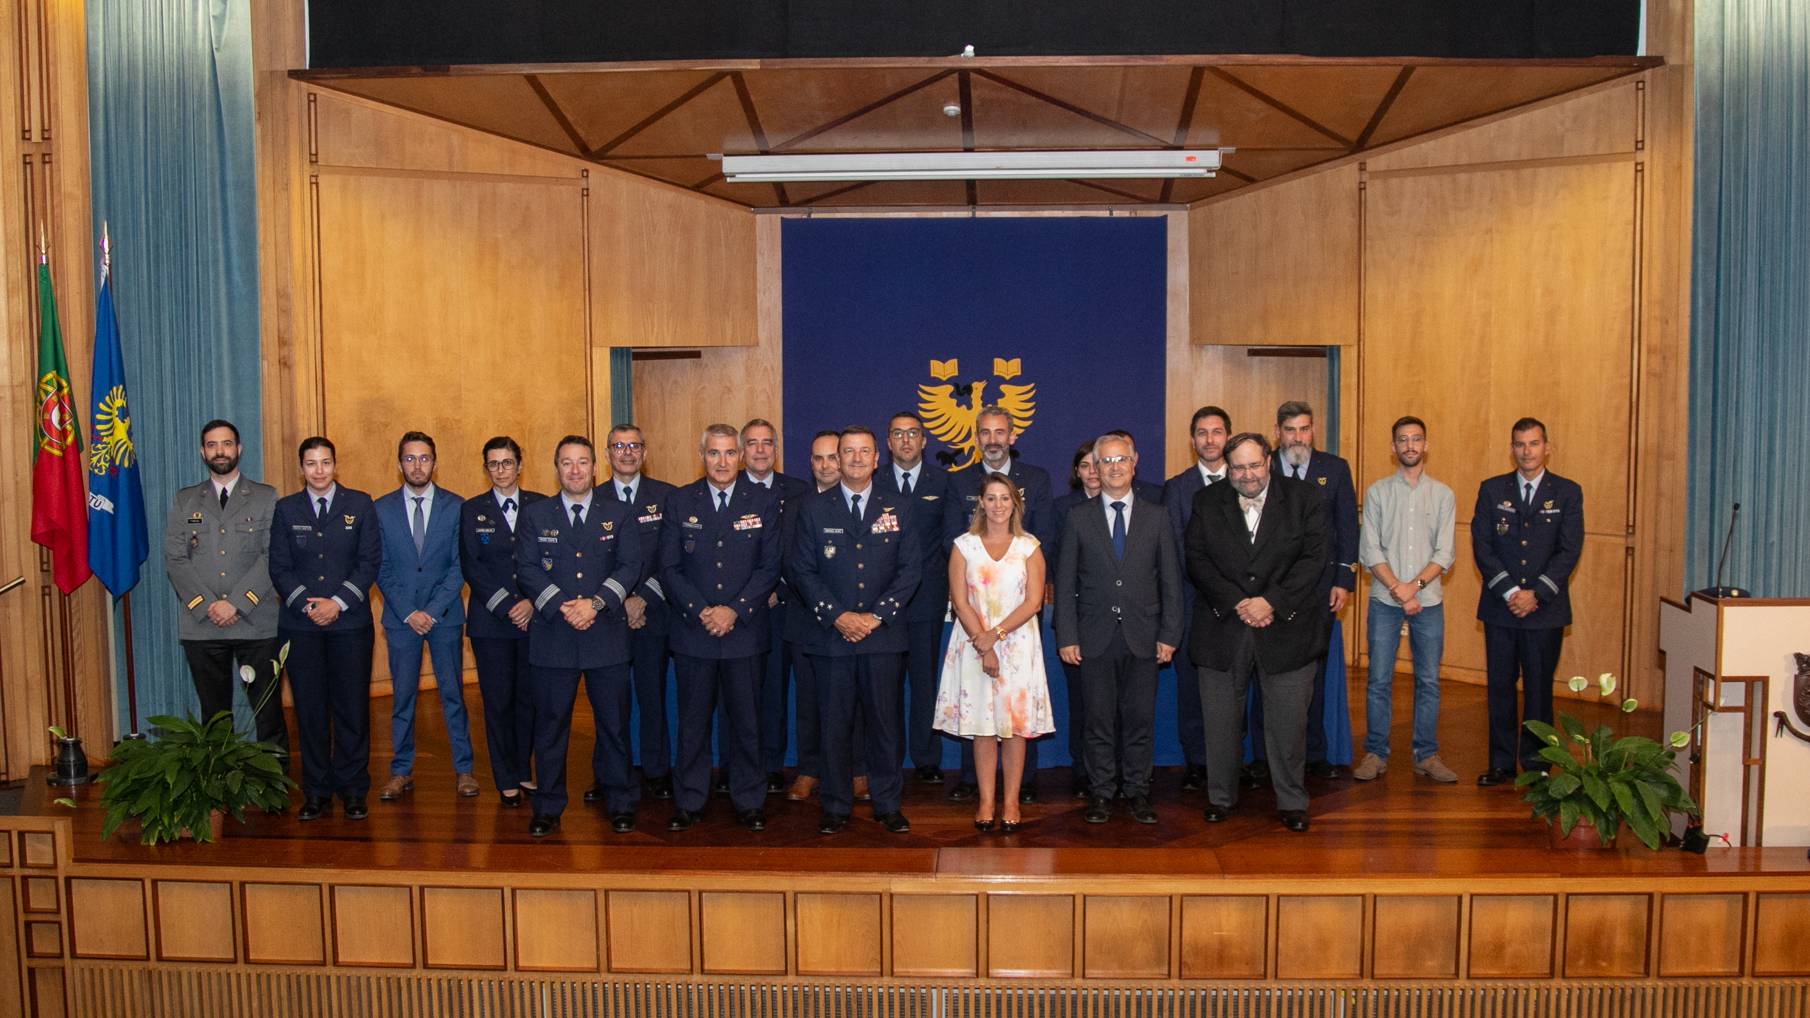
<point x="970" y="702"/>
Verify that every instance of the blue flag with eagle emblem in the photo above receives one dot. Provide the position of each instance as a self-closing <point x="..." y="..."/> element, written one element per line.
<point x="117" y="541"/>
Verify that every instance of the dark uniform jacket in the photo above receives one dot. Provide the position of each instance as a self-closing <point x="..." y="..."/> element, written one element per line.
<point x="210" y="554"/>
<point x="487" y="559"/>
<point x="1532" y="547"/>
<point x="556" y="562"/>
<point x="649" y="510"/>
<point x="841" y="564"/>
<point x="930" y="496"/>
<point x="337" y="555"/>
<point x="1331" y="476"/>
<point x="1283" y="566"/>
<point x="1033" y="485"/>
<point x="710" y="558"/>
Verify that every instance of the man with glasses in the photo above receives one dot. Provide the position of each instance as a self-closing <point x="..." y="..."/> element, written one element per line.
<point x="1207" y="434"/>
<point x="497" y="615"/>
<point x="649" y="619"/>
<point x="420" y="582"/>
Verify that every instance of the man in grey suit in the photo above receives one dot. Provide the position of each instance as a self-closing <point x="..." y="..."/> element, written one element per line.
<point x="1118" y="618"/>
<point x="216" y="551"/>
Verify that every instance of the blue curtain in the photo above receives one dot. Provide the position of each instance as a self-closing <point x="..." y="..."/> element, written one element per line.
<point x="1750" y="301"/>
<point x="170" y="143"/>
<point x="622" y="386"/>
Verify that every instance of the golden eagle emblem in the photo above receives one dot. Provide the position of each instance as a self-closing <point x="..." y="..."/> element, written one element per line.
<point x="112" y="447"/>
<point x="951" y="421"/>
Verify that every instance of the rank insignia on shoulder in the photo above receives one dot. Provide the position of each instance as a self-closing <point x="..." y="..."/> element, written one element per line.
<point x="829" y="551"/>
<point x="1322" y="481"/>
<point x="194" y="517"/>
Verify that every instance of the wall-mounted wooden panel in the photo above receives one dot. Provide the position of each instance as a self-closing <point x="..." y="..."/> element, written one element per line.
<point x="1511" y="936"/>
<point x="838" y="934"/>
<point x="462" y="927"/>
<point x="283" y="924"/>
<point x="107" y="918"/>
<point x="48" y="993"/>
<point x="1601" y="122"/>
<point x="1415" y="937"/>
<point x="1702" y="934"/>
<point x="556" y="931"/>
<point x="1606" y="935"/>
<point x="41" y="894"/>
<point x="1319" y="936"/>
<point x="373" y="925"/>
<point x="6" y="851"/>
<point x="38" y="849"/>
<point x="1781" y="929"/>
<point x="669" y="269"/>
<point x="194" y="921"/>
<point x="353" y="132"/>
<point x="1125" y="937"/>
<point x="1051" y="955"/>
<point x="935" y="935"/>
<point x="744" y="933"/>
<point x="1250" y="388"/>
<point x="650" y="931"/>
<point x="11" y="987"/>
<point x="43" y="940"/>
<point x="1224" y="937"/>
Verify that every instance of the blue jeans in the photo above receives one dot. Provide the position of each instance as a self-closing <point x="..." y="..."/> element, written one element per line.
<point x="1426" y="641"/>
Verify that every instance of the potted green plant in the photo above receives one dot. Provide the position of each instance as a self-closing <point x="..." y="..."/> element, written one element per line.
<point x="1604" y="782"/>
<point x="195" y="773"/>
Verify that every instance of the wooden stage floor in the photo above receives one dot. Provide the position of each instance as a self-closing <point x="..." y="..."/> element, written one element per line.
<point x="1400" y="825"/>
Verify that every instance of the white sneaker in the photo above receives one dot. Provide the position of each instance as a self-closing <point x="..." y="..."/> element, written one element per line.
<point x="1370" y="767"/>
<point x="1435" y="768"/>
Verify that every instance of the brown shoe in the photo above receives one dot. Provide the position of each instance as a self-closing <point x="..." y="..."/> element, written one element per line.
<point x="1435" y="768"/>
<point x="393" y="788"/>
<point x="1370" y="767"/>
<point x="802" y="787"/>
<point x="468" y="786"/>
<point x="861" y="794"/>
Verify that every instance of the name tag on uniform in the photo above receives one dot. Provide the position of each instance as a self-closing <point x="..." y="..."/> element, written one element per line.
<point x="1551" y="512"/>
<point x="748" y="522"/>
<point x="302" y="528"/>
<point x="483" y="530"/>
<point x="650" y="518"/>
<point x="1507" y="506"/>
<point x="832" y="530"/>
<point x="546" y="538"/>
<point x="886" y="524"/>
<point x="692" y="524"/>
<point x="194" y="517"/>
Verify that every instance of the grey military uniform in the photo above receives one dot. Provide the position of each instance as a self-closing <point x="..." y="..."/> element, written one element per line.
<point x="213" y="553"/>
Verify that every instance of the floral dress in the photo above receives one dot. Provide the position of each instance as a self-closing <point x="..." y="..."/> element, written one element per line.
<point x="970" y="702"/>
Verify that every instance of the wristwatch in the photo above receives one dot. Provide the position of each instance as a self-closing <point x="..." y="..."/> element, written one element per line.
<point x="598" y="604"/>
<point x="1420" y="584"/>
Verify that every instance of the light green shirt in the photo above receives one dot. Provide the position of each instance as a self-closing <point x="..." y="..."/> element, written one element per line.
<point x="1407" y="526"/>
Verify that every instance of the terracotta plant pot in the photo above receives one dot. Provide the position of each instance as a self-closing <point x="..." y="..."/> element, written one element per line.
<point x="1583" y="838"/>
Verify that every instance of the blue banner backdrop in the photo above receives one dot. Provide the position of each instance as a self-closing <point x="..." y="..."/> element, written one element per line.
<point x="1062" y="320"/>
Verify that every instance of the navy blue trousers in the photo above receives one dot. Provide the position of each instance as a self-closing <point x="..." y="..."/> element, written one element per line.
<point x="330" y="680"/>
<point x="923" y="673"/>
<point x="648" y="644"/>
<point x="864" y="685"/>
<point x="506" y="684"/>
<point x="555" y="694"/>
<point x="1532" y="656"/>
<point x="703" y="683"/>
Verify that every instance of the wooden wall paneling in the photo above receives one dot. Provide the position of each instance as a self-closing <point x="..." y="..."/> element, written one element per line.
<point x="1414" y="936"/>
<point x="194" y="921"/>
<point x="1511" y="936"/>
<point x="935" y="935"/>
<point x="1606" y="935"/>
<point x="38" y="849"/>
<point x="49" y="993"/>
<point x="1319" y="936"/>
<point x="649" y="931"/>
<point x="43" y="939"/>
<point x="107" y="919"/>
<point x="1781" y="929"/>
<point x="283" y="924"/>
<point x="1125" y="937"/>
<point x="556" y="930"/>
<point x="838" y="934"/>
<point x="1594" y="640"/>
<point x="1596" y="122"/>
<point x="1224" y="936"/>
<point x="373" y="925"/>
<point x="744" y="932"/>
<point x="1012" y="954"/>
<point x="463" y="928"/>
<point x="41" y="894"/>
<point x="1276" y="267"/>
<point x="11" y="979"/>
<point x="1702" y="934"/>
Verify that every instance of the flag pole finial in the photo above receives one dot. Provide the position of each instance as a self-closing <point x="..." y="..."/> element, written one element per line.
<point x="43" y="246"/>
<point x="106" y="250"/>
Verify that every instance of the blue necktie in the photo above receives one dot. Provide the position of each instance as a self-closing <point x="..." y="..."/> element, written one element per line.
<point x="722" y="501"/>
<point x="320" y="510"/>
<point x="855" y="507"/>
<point x="904" y="489"/>
<point x="577" y="516"/>
<point x="1118" y="529"/>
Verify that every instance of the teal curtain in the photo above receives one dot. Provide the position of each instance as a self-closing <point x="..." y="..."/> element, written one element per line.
<point x="170" y="144"/>
<point x="1750" y="300"/>
<point x="622" y="386"/>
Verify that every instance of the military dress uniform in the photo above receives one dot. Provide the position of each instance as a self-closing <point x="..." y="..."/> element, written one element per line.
<point x="777" y="667"/>
<point x="217" y="550"/>
<point x="649" y="644"/>
<point x="1529" y="543"/>
<point x="720" y="549"/>
<point x="487" y="541"/>
<point x="560" y="555"/>
<point x="842" y="561"/>
<point x="1331" y="477"/>
<point x="800" y="627"/>
<point x="928" y="611"/>
<point x="328" y="546"/>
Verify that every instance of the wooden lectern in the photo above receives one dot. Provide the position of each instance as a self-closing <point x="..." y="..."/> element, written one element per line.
<point x="1730" y="663"/>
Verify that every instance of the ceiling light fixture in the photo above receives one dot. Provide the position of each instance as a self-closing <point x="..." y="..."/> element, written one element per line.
<point x="1078" y="165"/>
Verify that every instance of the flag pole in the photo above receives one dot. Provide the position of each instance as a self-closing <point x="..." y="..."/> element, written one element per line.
<point x="125" y="600"/>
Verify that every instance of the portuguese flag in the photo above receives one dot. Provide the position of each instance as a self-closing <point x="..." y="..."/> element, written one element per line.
<point x="59" y="518"/>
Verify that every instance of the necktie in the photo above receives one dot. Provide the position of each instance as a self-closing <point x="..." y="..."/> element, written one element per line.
<point x="1213" y="479"/>
<point x="509" y="512"/>
<point x="628" y="493"/>
<point x="320" y="508"/>
<point x="222" y="498"/>
<point x="855" y="506"/>
<point x="722" y="501"/>
<point x="1118" y="529"/>
<point x="418" y="526"/>
<point x="1527" y="494"/>
<point x="578" y="516"/>
<point x="904" y="489"/>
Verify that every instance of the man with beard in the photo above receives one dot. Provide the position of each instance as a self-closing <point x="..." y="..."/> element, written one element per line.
<point x="927" y="485"/>
<point x="1297" y="459"/>
<point x="1256" y="548"/>
<point x="760" y="465"/>
<point x="1207" y="433"/>
<point x="1407" y="546"/>
<point x="216" y="550"/>
<point x="993" y="433"/>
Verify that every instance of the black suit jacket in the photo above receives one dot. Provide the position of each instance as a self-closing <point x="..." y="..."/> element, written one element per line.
<point x="1283" y="565"/>
<point x="1330" y="476"/>
<point x="487" y="557"/>
<point x="1098" y="594"/>
<point x="930" y="497"/>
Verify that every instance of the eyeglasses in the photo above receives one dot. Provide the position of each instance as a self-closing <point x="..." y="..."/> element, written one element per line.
<point x="498" y="464"/>
<point x="1254" y="468"/>
<point x="906" y="433"/>
<point x="1105" y="460"/>
<point x="423" y="458"/>
<point x="626" y="446"/>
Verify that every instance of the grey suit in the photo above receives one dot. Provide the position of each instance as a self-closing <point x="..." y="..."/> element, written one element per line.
<point x="1117" y="609"/>
<point x="211" y="553"/>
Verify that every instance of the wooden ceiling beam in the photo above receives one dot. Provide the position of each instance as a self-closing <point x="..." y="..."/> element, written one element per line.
<point x="652" y="118"/>
<point x="1072" y="108"/>
<point x="559" y="115"/>
<point x="863" y="111"/>
<point x="1278" y="105"/>
<point x="1382" y="108"/>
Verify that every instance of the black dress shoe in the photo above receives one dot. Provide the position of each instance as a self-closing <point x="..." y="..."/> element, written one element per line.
<point x="1194" y="778"/>
<point x="594" y="793"/>
<point x="1325" y="771"/>
<point x="660" y="787"/>
<point x="831" y="823"/>
<point x="1295" y="820"/>
<point x="356" y="809"/>
<point x="752" y="819"/>
<point x="776" y="782"/>
<point x="314" y="809"/>
<point x="963" y="791"/>
<point x="1496" y="776"/>
<point x="929" y="775"/>
<point x="894" y="822"/>
<point x="1098" y="811"/>
<point x="622" y="823"/>
<point x="542" y="825"/>
<point x="1216" y="814"/>
<point x="512" y="801"/>
<point x="1027" y="793"/>
<point x="682" y="819"/>
<point x="1141" y="810"/>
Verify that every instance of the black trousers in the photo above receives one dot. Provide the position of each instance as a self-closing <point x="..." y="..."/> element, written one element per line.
<point x="866" y="685"/>
<point x="506" y="683"/>
<point x="703" y="683"/>
<point x="214" y="665"/>
<point x="1077" y="726"/>
<point x="1189" y="727"/>
<point x="1531" y="656"/>
<point x="807" y="723"/>
<point x="776" y="670"/>
<point x="555" y="694"/>
<point x="330" y="679"/>
<point x="648" y="644"/>
<point x="924" y="673"/>
<point x="1119" y="690"/>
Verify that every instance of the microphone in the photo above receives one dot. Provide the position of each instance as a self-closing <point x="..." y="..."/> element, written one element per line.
<point x="1720" y="591"/>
